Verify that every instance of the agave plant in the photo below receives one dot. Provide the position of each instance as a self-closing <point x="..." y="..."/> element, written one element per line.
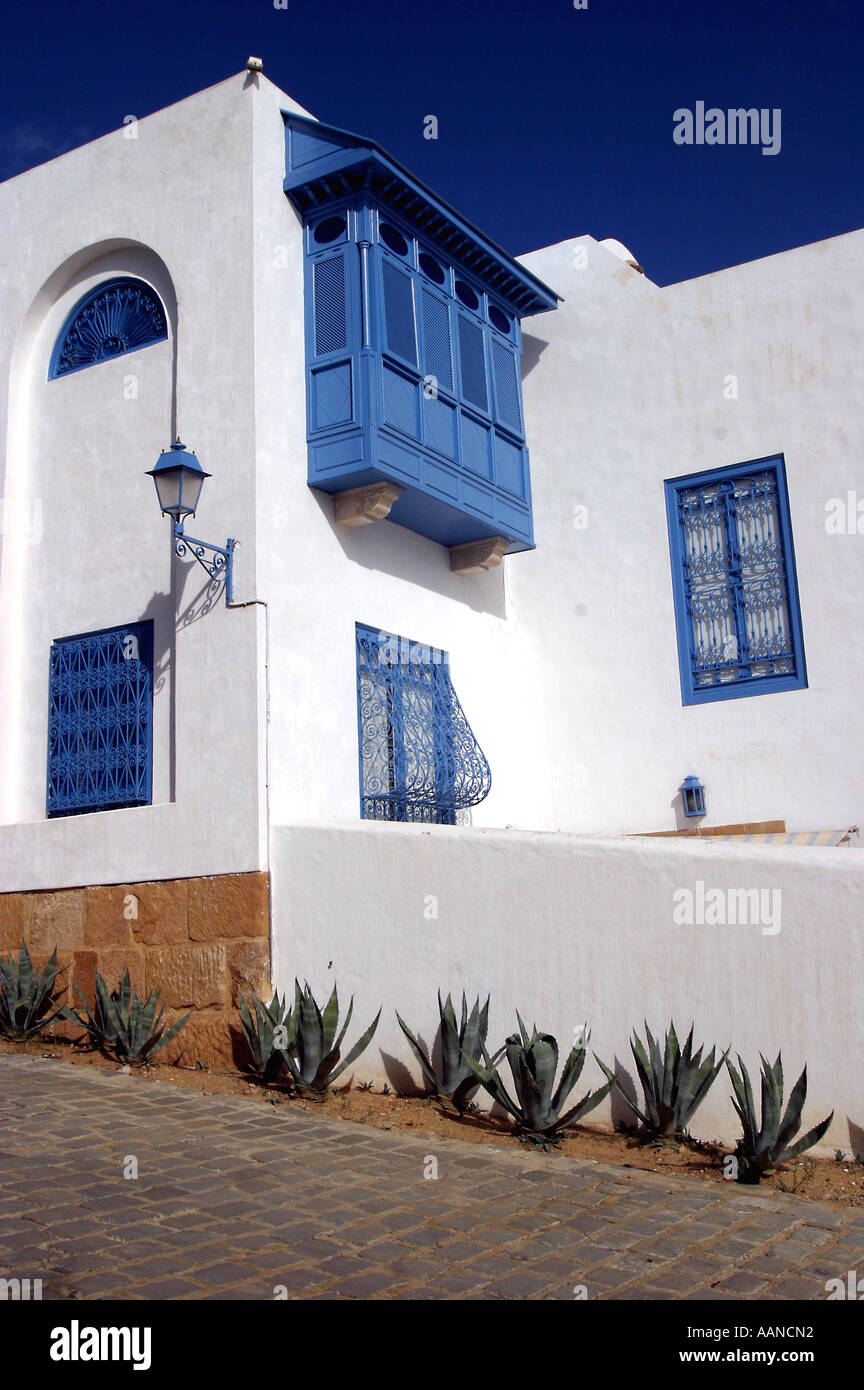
<point x="26" y="996"/>
<point x="765" y="1145"/>
<point x="674" y="1083"/>
<point x="122" y="1023"/>
<point x="457" y="1082"/>
<point x="534" y="1063"/>
<point x="313" y="1048"/>
<point x="265" y="1029"/>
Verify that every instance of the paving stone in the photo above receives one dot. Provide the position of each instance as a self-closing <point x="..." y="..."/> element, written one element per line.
<point x="521" y="1285"/>
<point x="228" y="1207"/>
<point x="492" y="1266"/>
<point x="168" y="1289"/>
<point x="416" y="1266"/>
<point x="826" y="1220"/>
<point x="796" y="1287"/>
<point x="362" y="1285"/>
<point x="228" y="1272"/>
<point x="638" y="1294"/>
<point x="600" y="1279"/>
<point x="425" y="1236"/>
<point x="743" y="1282"/>
<point x="812" y="1235"/>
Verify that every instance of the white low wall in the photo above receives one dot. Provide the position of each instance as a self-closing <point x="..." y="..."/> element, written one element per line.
<point x="569" y="928"/>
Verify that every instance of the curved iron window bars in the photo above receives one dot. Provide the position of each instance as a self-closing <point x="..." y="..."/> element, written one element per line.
<point x="419" y="759"/>
<point x="115" y="317"/>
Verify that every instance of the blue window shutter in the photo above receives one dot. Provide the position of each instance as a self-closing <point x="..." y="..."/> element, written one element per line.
<point x="100" y="721"/>
<point x="437" y="349"/>
<point x="506" y="373"/>
<point x="419" y="759"/>
<point x="328" y="289"/>
<point x="734" y="583"/>
<point x="400" y="328"/>
<point x="473" y="363"/>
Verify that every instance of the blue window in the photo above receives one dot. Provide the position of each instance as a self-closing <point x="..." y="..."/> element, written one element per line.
<point x="100" y="721"/>
<point x="734" y="583"/>
<point x="117" y="316"/>
<point x="419" y="759"/>
<point x="413" y="338"/>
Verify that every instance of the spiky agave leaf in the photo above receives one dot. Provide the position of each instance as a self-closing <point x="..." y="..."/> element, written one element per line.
<point x="260" y="1027"/>
<point x="765" y="1143"/>
<point x="424" y="1062"/>
<point x="674" y="1082"/>
<point x="533" y="1061"/>
<point x="360" y="1046"/>
<point x="456" y="1083"/>
<point x="314" y="1048"/>
<point x="122" y="1023"/>
<point x="451" y="1045"/>
<point x="26" y="997"/>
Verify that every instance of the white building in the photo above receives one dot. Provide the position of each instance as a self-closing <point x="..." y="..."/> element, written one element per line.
<point x="679" y="597"/>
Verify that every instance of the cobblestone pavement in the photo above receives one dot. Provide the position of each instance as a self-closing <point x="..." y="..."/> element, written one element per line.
<point x="234" y="1198"/>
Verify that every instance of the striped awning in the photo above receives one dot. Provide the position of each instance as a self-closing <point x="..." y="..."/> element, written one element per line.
<point x="792" y="837"/>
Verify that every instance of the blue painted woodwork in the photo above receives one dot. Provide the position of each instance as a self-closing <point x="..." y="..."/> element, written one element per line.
<point x="735" y="588"/>
<point x="419" y="759"/>
<point x="692" y="796"/>
<point x="413" y="343"/>
<point x="118" y="316"/>
<point x="100" y="718"/>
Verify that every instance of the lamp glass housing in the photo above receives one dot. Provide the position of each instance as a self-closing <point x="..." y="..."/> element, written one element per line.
<point x="178" y="478"/>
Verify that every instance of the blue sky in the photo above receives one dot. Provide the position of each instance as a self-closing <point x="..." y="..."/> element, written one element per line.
<point x="552" y="121"/>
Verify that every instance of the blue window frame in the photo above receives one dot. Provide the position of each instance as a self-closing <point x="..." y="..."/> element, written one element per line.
<point x="733" y="577"/>
<point x="100" y="720"/>
<point x="118" y="316"/>
<point x="419" y="759"/>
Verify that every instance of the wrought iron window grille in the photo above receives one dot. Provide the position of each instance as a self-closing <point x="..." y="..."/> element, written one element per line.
<point x="100" y="721"/>
<point x="419" y="758"/>
<point x="118" y="316"/>
<point x="734" y="582"/>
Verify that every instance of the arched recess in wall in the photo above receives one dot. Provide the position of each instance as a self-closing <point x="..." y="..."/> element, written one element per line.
<point x="77" y="448"/>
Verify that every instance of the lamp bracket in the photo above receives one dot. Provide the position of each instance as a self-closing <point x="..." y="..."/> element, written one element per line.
<point x="216" y="560"/>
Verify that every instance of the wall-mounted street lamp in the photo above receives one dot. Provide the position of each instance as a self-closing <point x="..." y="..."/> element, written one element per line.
<point x="692" y="796"/>
<point x="179" y="478"/>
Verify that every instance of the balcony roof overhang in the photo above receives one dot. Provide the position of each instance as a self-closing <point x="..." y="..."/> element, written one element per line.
<point x="324" y="165"/>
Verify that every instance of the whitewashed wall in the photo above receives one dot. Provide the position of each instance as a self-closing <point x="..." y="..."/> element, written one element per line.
<point x="564" y="658"/>
<point x="175" y="205"/>
<point x="628" y="390"/>
<point x="569" y="929"/>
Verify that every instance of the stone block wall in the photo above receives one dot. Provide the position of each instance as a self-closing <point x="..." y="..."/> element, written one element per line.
<point x="199" y="941"/>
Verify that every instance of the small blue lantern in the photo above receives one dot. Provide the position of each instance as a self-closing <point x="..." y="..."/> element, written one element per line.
<point x="692" y="796"/>
<point x="179" y="478"/>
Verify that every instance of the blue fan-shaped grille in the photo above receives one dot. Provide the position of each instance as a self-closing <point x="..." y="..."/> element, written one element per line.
<point x="399" y="312"/>
<point x="329" y="292"/>
<point x="419" y="759"/>
<point x="473" y="365"/>
<point x="436" y="340"/>
<point x="100" y="721"/>
<point x="117" y="317"/>
<point x="506" y="386"/>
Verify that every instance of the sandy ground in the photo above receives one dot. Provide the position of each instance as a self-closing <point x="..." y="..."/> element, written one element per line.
<point x="839" y="1182"/>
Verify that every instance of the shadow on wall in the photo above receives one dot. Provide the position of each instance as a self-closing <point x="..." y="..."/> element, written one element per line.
<point x="395" y="550"/>
<point x="532" y="350"/>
